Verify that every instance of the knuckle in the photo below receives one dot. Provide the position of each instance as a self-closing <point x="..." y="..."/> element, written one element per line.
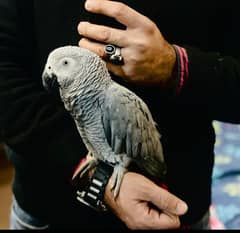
<point x="164" y="203"/>
<point x="119" y="10"/>
<point x="100" y="52"/>
<point x="105" y="35"/>
<point x="141" y="44"/>
<point x="132" y="61"/>
<point x="150" y="27"/>
<point x="141" y="47"/>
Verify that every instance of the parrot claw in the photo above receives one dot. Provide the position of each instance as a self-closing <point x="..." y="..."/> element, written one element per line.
<point x="117" y="177"/>
<point x="117" y="158"/>
<point x="90" y="163"/>
<point x="111" y="158"/>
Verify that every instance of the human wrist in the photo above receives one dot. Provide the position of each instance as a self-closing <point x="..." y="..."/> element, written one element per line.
<point x="91" y="187"/>
<point x="168" y="67"/>
<point x="181" y="68"/>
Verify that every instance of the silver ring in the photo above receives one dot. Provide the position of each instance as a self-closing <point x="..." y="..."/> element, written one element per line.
<point x="113" y="53"/>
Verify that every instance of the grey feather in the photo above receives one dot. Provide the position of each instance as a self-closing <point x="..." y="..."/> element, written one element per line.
<point x="114" y="123"/>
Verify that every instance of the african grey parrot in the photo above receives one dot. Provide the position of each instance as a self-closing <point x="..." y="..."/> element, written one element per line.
<point x="115" y="125"/>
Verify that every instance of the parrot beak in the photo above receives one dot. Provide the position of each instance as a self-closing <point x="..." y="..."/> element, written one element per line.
<point x="50" y="82"/>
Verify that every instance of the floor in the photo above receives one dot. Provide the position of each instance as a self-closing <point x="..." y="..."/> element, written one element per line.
<point x="6" y="174"/>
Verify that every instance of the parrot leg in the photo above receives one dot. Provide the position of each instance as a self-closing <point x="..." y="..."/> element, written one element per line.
<point x="90" y="163"/>
<point x="119" y="170"/>
<point x="111" y="158"/>
<point x="117" y="177"/>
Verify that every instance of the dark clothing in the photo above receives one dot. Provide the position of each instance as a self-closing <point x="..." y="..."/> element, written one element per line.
<point x="43" y="135"/>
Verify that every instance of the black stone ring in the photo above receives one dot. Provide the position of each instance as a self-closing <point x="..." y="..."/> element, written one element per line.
<point x="114" y="54"/>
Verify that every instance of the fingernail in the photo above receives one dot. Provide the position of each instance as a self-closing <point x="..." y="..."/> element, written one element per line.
<point x="89" y="4"/>
<point x="181" y="208"/>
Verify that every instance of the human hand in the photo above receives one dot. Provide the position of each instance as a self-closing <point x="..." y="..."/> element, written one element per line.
<point x="143" y="205"/>
<point x="148" y="58"/>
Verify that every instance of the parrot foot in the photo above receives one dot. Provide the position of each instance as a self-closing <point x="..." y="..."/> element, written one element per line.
<point x="117" y="158"/>
<point x="90" y="163"/>
<point x="111" y="158"/>
<point x="117" y="177"/>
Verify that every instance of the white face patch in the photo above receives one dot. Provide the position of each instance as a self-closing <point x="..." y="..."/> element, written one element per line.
<point x="66" y="68"/>
<point x="76" y="68"/>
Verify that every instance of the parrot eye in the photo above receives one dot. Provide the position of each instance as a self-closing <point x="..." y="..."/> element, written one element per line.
<point x="65" y="62"/>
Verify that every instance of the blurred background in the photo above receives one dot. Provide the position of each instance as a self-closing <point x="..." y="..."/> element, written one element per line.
<point x="225" y="209"/>
<point x="226" y="177"/>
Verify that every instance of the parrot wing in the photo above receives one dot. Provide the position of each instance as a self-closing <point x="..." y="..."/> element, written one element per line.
<point x="129" y="126"/>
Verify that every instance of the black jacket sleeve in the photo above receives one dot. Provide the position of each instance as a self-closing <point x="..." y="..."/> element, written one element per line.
<point x="213" y="82"/>
<point x="214" y="77"/>
<point x="31" y="121"/>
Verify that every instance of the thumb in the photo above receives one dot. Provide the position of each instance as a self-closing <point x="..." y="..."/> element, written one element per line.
<point x="166" y="201"/>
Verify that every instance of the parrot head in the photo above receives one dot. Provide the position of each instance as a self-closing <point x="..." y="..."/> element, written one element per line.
<point x="71" y="64"/>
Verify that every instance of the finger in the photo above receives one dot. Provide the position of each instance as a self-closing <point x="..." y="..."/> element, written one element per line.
<point x="121" y="12"/>
<point x="93" y="46"/>
<point x="166" y="201"/>
<point x="115" y="69"/>
<point x="162" y="220"/>
<point x="103" y="34"/>
<point x="151" y="218"/>
<point x="98" y="48"/>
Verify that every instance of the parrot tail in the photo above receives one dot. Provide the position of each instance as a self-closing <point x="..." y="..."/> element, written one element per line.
<point x="154" y="167"/>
